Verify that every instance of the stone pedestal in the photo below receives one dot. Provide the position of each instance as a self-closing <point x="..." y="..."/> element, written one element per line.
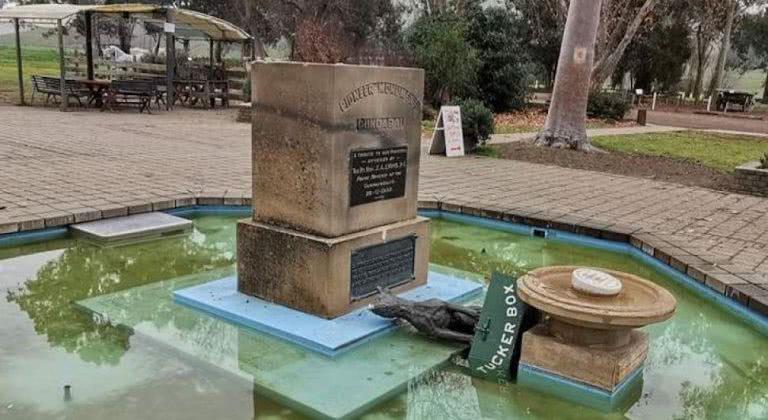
<point x="588" y="349"/>
<point x="335" y="176"/>
<point x="601" y="366"/>
<point x="329" y="277"/>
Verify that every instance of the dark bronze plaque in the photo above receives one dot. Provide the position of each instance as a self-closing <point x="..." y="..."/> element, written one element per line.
<point x="386" y="265"/>
<point x="377" y="174"/>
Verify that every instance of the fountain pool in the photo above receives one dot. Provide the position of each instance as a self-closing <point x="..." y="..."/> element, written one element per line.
<point x="157" y="359"/>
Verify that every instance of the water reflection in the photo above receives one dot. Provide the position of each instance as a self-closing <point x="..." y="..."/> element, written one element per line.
<point x="82" y="271"/>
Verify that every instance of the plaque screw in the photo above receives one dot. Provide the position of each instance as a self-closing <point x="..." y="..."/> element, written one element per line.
<point x="485" y="329"/>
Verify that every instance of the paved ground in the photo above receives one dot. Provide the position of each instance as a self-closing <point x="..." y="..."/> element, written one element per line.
<point x="707" y="122"/>
<point x="57" y="168"/>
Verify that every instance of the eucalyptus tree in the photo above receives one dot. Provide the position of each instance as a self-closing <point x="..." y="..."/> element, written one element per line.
<point x="566" y="121"/>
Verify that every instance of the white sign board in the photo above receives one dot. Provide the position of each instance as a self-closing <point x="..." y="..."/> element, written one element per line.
<point x="448" y="137"/>
<point x="169" y="27"/>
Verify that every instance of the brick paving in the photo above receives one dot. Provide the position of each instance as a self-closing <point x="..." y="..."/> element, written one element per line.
<point x="59" y="168"/>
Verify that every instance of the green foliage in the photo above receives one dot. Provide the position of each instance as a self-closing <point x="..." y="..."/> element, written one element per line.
<point x="752" y="37"/>
<point x="503" y="75"/>
<point x="439" y="45"/>
<point x="543" y="22"/>
<point x="477" y="123"/>
<point x="657" y="56"/>
<point x="488" y="151"/>
<point x="750" y="42"/>
<point x="607" y="106"/>
<point x="764" y="161"/>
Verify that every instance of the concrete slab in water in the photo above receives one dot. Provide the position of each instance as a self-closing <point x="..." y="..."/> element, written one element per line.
<point x="623" y="397"/>
<point x="137" y="226"/>
<point x="346" y="386"/>
<point x="327" y="336"/>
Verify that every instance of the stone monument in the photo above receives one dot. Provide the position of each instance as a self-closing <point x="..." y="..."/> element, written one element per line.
<point x="589" y="334"/>
<point x="335" y="176"/>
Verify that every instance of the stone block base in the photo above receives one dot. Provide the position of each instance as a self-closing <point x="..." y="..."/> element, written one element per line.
<point x="597" y="366"/>
<point x="314" y="274"/>
<point x="752" y="179"/>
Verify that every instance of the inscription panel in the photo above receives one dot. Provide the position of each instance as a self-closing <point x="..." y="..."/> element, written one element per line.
<point x="386" y="265"/>
<point x="377" y="174"/>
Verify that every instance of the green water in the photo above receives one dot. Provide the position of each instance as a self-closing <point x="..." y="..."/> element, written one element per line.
<point x="703" y="363"/>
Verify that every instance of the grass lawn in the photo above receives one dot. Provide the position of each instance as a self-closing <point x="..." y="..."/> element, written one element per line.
<point x="718" y="151"/>
<point x="751" y="81"/>
<point x="37" y="61"/>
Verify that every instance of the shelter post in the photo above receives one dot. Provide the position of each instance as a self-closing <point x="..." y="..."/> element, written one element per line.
<point x="18" y="60"/>
<point x="253" y="49"/>
<point x="170" y="59"/>
<point x="210" y="58"/>
<point x="64" y="97"/>
<point x="89" y="45"/>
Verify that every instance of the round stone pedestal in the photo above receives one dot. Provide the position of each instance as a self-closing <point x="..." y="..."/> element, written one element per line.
<point x="587" y="336"/>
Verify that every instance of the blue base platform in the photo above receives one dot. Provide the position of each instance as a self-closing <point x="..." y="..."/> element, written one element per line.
<point x="329" y="337"/>
<point x="625" y="394"/>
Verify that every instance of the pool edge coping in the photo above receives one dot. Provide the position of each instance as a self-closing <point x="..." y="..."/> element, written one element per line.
<point x="719" y="281"/>
<point x="708" y="275"/>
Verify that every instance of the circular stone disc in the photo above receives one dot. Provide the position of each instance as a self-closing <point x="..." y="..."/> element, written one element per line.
<point x="595" y="282"/>
<point x="640" y="302"/>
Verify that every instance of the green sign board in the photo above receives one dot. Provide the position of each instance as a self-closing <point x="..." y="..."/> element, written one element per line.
<point x="496" y="344"/>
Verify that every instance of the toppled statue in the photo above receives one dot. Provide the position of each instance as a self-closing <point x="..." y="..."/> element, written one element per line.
<point x="433" y="317"/>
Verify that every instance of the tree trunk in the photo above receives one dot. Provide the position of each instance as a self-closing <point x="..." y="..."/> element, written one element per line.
<point x="691" y="71"/>
<point x="606" y="64"/>
<point x="717" y="78"/>
<point x="702" y="55"/>
<point x="566" y="120"/>
<point x="125" y="33"/>
<point x="765" y="88"/>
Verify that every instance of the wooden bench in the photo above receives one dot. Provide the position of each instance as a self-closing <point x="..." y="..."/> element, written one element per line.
<point x="131" y="93"/>
<point x="51" y="86"/>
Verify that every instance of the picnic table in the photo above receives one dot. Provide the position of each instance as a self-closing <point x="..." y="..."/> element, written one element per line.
<point x="728" y="98"/>
<point x="190" y="92"/>
<point x="97" y="88"/>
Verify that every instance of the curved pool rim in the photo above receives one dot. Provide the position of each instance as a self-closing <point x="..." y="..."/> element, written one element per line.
<point x="754" y="319"/>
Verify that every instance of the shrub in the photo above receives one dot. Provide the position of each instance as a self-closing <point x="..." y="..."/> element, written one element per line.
<point x="607" y="106"/>
<point x="504" y="75"/>
<point x="764" y="161"/>
<point x="477" y="123"/>
<point x="439" y="45"/>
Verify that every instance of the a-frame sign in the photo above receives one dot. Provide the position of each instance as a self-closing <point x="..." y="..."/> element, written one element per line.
<point x="448" y="138"/>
